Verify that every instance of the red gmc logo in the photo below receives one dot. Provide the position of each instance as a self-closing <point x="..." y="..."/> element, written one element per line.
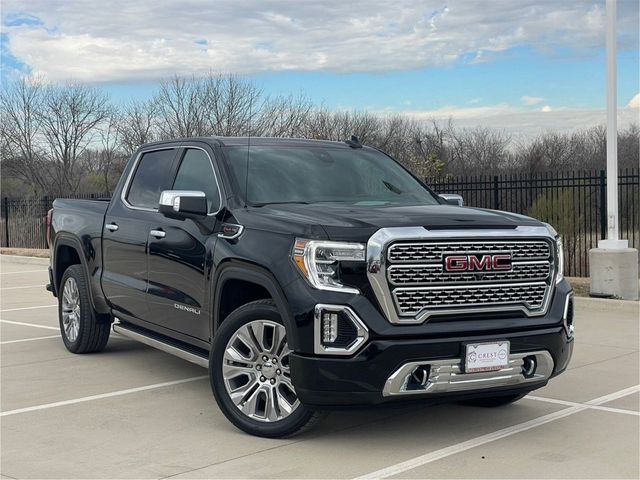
<point x="474" y="263"/>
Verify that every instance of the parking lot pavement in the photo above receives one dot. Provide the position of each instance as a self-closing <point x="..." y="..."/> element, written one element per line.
<point x="132" y="411"/>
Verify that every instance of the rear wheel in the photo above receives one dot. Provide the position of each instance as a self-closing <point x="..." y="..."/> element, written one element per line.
<point x="491" y="402"/>
<point x="81" y="330"/>
<point x="250" y="373"/>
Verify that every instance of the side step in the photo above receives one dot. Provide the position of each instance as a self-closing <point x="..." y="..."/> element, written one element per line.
<point x="157" y="341"/>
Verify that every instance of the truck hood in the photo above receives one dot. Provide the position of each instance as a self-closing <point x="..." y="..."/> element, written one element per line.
<point x="358" y="223"/>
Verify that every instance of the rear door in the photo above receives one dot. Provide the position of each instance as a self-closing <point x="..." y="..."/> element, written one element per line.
<point x="180" y="257"/>
<point x="126" y="231"/>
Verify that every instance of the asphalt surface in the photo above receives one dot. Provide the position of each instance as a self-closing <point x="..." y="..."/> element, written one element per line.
<point x="134" y="412"/>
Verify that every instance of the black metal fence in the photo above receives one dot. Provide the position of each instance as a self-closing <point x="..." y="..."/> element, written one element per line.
<point x="573" y="202"/>
<point x="23" y="220"/>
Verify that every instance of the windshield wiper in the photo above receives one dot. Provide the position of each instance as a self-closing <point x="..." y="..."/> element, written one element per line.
<point x="279" y="203"/>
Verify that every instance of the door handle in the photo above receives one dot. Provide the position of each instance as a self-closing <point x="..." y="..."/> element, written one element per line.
<point x="112" y="227"/>
<point x="157" y="233"/>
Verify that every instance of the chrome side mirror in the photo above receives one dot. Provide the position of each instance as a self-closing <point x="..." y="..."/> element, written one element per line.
<point x="452" y="199"/>
<point x="183" y="203"/>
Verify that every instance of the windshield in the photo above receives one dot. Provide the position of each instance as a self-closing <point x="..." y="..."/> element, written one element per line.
<point x="281" y="174"/>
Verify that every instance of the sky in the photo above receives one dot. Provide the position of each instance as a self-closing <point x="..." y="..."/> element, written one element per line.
<point x="524" y="66"/>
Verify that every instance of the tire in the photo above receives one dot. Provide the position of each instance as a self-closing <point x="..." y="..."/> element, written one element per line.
<point x="81" y="330"/>
<point x="491" y="402"/>
<point x="264" y="401"/>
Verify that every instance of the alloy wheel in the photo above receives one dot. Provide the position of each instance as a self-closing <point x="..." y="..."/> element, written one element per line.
<point x="256" y="371"/>
<point x="71" y="309"/>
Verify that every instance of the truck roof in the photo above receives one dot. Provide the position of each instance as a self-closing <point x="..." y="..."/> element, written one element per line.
<point x="243" y="141"/>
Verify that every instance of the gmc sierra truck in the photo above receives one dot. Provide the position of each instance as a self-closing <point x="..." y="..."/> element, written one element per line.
<point x="311" y="275"/>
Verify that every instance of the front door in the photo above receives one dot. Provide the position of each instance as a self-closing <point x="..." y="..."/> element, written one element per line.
<point x="180" y="253"/>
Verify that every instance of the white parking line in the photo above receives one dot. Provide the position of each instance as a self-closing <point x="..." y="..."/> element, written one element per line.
<point x="100" y="396"/>
<point x="23" y="271"/>
<point x="576" y="404"/>
<point x="28" y="308"/>
<point x="25" y="286"/>
<point x="24" y="324"/>
<point x="490" y="437"/>
<point x="28" y="339"/>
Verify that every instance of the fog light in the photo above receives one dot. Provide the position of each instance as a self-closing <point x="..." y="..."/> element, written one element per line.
<point x="329" y="327"/>
<point x="338" y="330"/>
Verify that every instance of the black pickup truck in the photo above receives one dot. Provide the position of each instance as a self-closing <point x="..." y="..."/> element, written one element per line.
<point x="310" y="275"/>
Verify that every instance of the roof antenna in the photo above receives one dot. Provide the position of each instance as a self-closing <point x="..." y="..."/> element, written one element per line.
<point x="246" y="177"/>
<point x="354" y="142"/>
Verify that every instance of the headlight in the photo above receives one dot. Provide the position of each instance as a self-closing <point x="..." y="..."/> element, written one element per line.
<point x="559" y="253"/>
<point x="319" y="262"/>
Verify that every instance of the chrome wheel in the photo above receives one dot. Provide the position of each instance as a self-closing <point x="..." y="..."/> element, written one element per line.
<point x="256" y="371"/>
<point x="71" y="309"/>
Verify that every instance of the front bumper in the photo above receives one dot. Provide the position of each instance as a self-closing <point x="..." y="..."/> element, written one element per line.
<point x="324" y="382"/>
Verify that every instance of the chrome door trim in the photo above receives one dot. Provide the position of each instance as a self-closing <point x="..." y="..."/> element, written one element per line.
<point x="377" y="275"/>
<point x="158" y="234"/>
<point x="125" y="188"/>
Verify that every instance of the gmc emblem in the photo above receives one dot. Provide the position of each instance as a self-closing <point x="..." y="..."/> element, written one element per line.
<point x="475" y="263"/>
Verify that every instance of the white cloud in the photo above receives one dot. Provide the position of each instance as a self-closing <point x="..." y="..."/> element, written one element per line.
<point x="527" y="100"/>
<point x="143" y="39"/>
<point x="524" y="122"/>
<point x="634" y="102"/>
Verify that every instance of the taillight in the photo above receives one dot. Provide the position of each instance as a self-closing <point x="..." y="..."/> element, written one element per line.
<point x="49" y="213"/>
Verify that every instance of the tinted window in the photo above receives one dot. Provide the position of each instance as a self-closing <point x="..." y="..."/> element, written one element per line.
<point x="324" y="174"/>
<point x="150" y="178"/>
<point x="196" y="173"/>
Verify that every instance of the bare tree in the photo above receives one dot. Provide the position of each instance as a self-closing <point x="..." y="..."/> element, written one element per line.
<point x="21" y="103"/>
<point x="69" y="119"/>
<point x="232" y="105"/>
<point x="137" y="124"/>
<point x="283" y="116"/>
<point x="181" y="107"/>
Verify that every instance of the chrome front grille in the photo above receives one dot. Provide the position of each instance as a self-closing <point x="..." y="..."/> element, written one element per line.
<point x="408" y="271"/>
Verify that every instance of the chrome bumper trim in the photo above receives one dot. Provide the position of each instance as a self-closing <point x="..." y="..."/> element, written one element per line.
<point x="447" y="376"/>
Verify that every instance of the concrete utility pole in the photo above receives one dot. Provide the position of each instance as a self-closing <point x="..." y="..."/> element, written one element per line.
<point x="613" y="265"/>
<point x="613" y="236"/>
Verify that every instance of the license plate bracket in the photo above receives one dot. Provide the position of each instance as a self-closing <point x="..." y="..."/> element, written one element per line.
<point x="486" y="356"/>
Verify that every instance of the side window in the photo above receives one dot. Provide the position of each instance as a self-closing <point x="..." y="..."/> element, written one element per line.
<point x="196" y="173"/>
<point x="149" y="178"/>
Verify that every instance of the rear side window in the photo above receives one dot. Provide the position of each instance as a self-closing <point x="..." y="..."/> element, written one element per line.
<point x="196" y="173"/>
<point x="150" y="178"/>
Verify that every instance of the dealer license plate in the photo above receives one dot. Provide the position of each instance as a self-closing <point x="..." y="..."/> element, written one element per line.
<point x="486" y="357"/>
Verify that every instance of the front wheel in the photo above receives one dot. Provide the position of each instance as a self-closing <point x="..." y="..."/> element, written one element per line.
<point x="250" y="373"/>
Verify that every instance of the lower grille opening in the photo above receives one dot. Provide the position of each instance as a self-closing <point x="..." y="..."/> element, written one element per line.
<point x="529" y="366"/>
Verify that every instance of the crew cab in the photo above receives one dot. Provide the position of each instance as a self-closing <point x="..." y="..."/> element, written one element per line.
<point x="311" y="275"/>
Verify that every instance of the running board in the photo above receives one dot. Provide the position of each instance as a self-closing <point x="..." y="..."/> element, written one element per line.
<point x="135" y="334"/>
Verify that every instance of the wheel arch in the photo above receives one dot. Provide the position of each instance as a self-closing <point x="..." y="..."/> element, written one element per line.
<point x="67" y="250"/>
<point x="234" y="270"/>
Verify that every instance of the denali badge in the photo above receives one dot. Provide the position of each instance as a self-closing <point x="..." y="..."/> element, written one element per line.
<point x="474" y="263"/>
<point x="186" y="308"/>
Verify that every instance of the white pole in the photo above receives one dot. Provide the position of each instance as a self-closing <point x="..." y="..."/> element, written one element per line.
<point x="612" y="128"/>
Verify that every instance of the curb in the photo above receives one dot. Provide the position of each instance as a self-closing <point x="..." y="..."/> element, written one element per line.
<point x="23" y="259"/>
